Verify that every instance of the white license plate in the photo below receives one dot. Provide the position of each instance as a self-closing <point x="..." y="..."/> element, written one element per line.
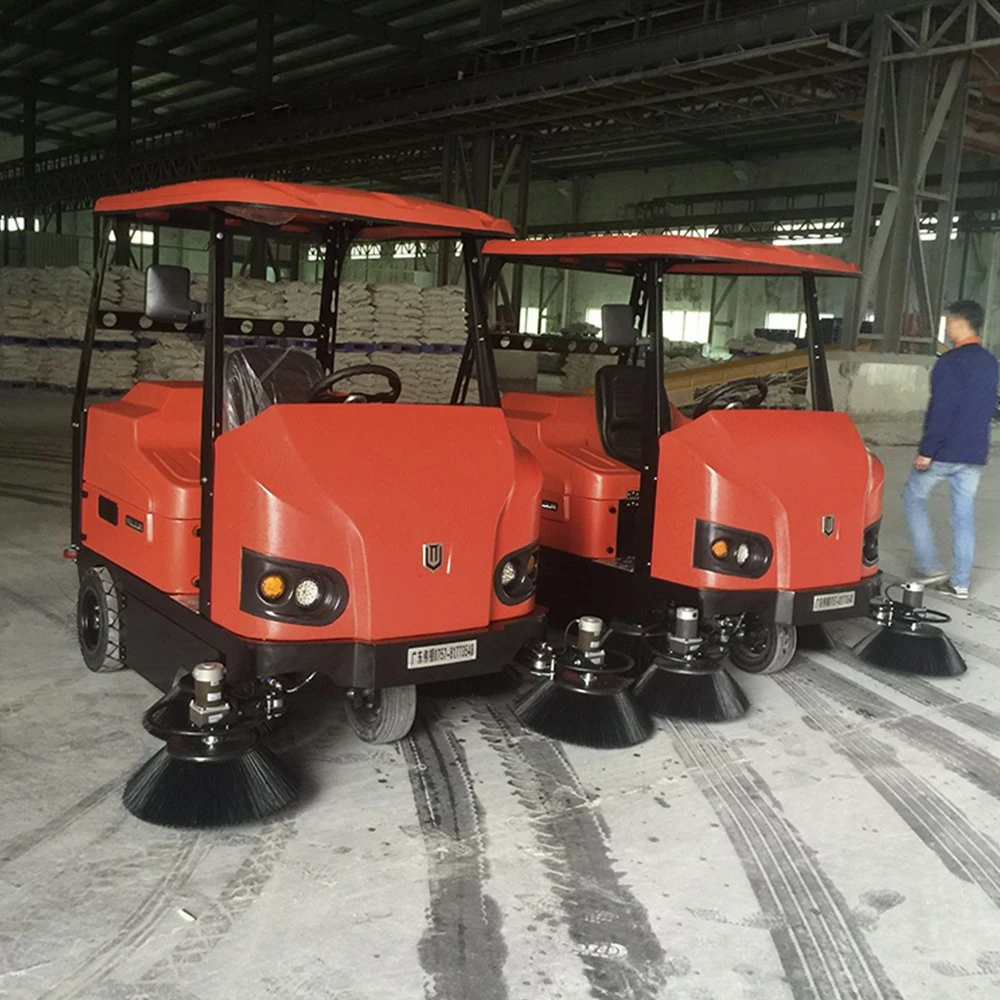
<point x="439" y="656"/>
<point x="835" y="602"/>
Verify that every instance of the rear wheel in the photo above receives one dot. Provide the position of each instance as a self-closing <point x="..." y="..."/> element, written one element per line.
<point x="383" y="715"/>
<point x="763" y="647"/>
<point x="99" y="621"/>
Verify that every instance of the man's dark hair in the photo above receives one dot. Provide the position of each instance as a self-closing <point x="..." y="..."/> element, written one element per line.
<point x="971" y="312"/>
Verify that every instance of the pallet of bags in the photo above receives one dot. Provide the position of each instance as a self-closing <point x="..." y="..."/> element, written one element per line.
<point x="356" y="313"/>
<point x="21" y="360"/>
<point x="255" y="298"/>
<point x="171" y="357"/>
<point x="301" y="300"/>
<point x="398" y="314"/>
<point x="443" y="318"/>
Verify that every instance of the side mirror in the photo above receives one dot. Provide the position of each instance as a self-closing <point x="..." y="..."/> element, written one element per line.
<point x="168" y="294"/>
<point x="617" y="326"/>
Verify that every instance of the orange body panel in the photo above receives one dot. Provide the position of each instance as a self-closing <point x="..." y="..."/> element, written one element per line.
<point x="356" y="488"/>
<point x="362" y="489"/>
<point x="775" y="472"/>
<point x="142" y="455"/>
<point x="582" y="485"/>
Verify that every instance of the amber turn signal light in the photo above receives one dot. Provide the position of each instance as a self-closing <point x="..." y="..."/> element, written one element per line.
<point x="720" y="548"/>
<point x="272" y="587"/>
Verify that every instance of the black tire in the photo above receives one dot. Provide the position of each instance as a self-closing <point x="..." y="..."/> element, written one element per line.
<point x="384" y="715"/>
<point x="99" y="621"/>
<point x="763" y="647"/>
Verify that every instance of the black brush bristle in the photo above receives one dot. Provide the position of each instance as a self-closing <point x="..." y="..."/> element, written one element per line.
<point x="605" y="721"/>
<point x="815" y="639"/>
<point x="712" y="696"/>
<point x="171" y="791"/>
<point x="927" y="651"/>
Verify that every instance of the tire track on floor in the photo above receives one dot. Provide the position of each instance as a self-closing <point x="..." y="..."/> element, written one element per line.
<point x="36" y="495"/>
<point x="64" y="621"/>
<point x="817" y="937"/>
<point x="620" y="952"/>
<point x="171" y="975"/>
<point x="956" y="753"/>
<point x="966" y="851"/>
<point x="30" y="839"/>
<point x="925" y="693"/>
<point x="462" y="950"/>
<point x="181" y="854"/>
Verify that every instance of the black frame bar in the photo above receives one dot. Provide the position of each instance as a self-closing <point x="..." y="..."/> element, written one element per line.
<point x="655" y="404"/>
<point x="819" y="374"/>
<point x="211" y="407"/>
<point x="103" y="229"/>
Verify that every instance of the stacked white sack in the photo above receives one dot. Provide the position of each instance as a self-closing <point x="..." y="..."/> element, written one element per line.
<point x="356" y="314"/>
<point x="173" y="356"/>
<point x="581" y="370"/>
<point x="44" y="308"/>
<point x="443" y="314"/>
<point x="759" y="345"/>
<point x="398" y="314"/>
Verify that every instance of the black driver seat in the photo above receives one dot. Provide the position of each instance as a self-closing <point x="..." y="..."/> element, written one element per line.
<point x="256" y="377"/>
<point x="618" y="393"/>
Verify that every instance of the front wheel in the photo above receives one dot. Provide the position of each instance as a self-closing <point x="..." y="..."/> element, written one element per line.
<point x="99" y="621"/>
<point x="763" y="647"/>
<point x="382" y="715"/>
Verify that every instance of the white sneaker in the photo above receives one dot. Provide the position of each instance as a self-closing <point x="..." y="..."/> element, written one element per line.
<point x="928" y="579"/>
<point x="948" y="589"/>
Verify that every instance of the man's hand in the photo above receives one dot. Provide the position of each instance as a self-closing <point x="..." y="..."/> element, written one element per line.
<point x="921" y="463"/>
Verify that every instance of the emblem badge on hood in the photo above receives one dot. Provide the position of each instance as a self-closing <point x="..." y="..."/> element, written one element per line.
<point x="433" y="556"/>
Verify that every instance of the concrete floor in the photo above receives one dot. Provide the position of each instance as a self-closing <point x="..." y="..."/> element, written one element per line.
<point x="840" y="842"/>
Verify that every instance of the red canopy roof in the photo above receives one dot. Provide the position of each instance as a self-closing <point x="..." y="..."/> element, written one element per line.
<point x="684" y="254"/>
<point x="276" y="203"/>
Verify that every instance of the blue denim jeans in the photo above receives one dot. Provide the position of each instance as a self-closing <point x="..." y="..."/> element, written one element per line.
<point x="963" y="481"/>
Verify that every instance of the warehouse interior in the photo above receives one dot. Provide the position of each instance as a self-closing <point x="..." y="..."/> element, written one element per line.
<point x="837" y="841"/>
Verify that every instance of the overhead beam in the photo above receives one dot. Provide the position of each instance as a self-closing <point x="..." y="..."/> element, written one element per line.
<point x="147" y="56"/>
<point x="16" y="126"/>
<point x="64" y="97"/>
<point x="490" y="17"/>
<point x="341" y="20"/>
<point x="586" y="67"/>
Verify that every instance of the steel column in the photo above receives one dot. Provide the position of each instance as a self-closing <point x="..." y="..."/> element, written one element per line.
<point x="914" y="83"/>
<point x="30" y="134"/>
<point x="264" y="61"/>
<point x="864" y="192"/>
<point x="446" y="248"/>
<point x="521" y="224"/>
<point x="950" y="174"/>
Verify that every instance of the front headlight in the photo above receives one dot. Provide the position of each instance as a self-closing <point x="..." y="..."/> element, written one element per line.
<point x="721" y="549"/>
<point x="289" y="591"/>
<point x="516" y="575"/>
<point x="869" y="549"/>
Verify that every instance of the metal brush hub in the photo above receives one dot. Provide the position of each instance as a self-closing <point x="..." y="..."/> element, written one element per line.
<point x="577" y="671"/>
<point x="538" y="658"/>
<point x="686" y="650"/>
<point x="907" y="614"/>
<point x="191" y="735"/>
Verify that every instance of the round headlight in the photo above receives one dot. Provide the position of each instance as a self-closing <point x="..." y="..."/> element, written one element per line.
<point x="307" y="593"/>
<point x="742" y="554"/>
<point x="272" y="587"/>
<point x="508" y="573"/>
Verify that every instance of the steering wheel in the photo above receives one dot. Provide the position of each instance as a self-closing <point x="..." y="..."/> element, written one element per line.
<point x="319" y="389"/>
<point x="732" y="397"/>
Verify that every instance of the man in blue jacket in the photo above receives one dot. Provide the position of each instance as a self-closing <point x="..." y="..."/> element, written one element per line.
<point x="955" y="447"/>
